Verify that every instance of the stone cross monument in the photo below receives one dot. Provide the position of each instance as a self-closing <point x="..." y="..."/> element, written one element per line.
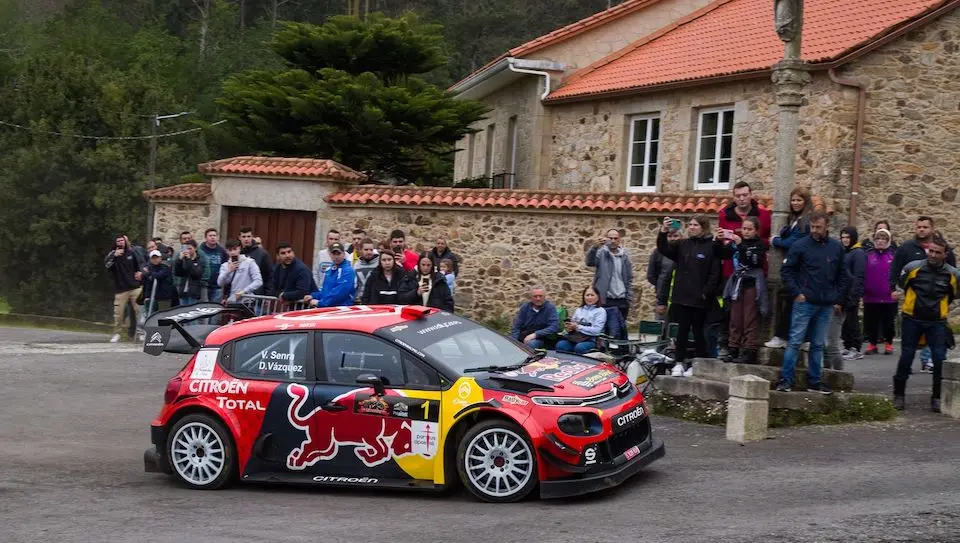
<point x="790" y="76"/>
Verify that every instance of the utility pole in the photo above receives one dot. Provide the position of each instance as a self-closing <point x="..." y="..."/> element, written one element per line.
<point x="152" y="175"/>
<point x="152" y="168"/>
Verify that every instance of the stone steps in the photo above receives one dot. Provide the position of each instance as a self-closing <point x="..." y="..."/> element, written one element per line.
<point x="719" y="391"/>
<point x="711" y="369"/>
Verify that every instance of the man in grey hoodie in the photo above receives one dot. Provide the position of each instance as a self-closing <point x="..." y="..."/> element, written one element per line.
<point x="366" y="264"/>
<point x="239" y="275"/>
<point x="613" y="274"/>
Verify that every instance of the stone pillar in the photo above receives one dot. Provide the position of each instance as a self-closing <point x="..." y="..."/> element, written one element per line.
<point x="748" y="409"/>
<point x="950" y="389"/>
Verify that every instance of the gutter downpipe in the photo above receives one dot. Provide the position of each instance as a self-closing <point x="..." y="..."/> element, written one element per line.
<point x="511" y="63"/>
<point x="858" y="143"/>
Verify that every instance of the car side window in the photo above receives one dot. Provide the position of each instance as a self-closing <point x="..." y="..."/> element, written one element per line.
<point x="271" y="356"/>
<point x="347" y="356"/>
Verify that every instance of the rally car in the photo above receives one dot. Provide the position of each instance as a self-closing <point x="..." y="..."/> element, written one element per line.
<point x="388" y="396"/>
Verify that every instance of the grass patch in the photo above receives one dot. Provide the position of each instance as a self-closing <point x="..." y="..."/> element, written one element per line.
<point x="499" y="323"/>
<point x="4" y="307"/>
<point x="689" y="408"/>
<point x="54" y="323"/>
<point x="839" y="409"/>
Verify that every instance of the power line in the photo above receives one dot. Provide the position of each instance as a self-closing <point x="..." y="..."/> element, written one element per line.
<point x="107" y="138"/>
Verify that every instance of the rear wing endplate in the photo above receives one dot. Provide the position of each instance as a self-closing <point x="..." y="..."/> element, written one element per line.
<point x="160" y="327"/>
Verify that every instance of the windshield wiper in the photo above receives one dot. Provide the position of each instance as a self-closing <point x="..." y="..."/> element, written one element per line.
<point x="532" y="358"/>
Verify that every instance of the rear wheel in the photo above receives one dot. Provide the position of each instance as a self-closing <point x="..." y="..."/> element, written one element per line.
<point x="496" y="462"/>
<point x="201" y="453"/>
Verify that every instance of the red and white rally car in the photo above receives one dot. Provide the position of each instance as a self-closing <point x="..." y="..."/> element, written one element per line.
<point x="388" y="396"/>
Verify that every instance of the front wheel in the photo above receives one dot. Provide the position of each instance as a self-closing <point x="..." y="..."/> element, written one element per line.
<point x="201" y="453"/>
<point x="496" y="462"/>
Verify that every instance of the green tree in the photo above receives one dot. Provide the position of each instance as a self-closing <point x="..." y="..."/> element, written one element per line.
<point x="352" y="91"/>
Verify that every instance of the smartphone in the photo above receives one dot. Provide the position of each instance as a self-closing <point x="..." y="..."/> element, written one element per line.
<point x="675" y="224"/>
<point x="728" y="234"/>
<point x="425" y="281"/>
<point x="234" y="258"/>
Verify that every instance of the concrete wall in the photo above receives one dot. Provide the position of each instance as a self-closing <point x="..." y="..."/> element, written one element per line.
<point x="584" y="49"/>
<point x="273" y="193"/>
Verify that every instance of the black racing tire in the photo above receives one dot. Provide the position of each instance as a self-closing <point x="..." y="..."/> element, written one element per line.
<point x="201" y="453"/>
<point x="518" y="469"/>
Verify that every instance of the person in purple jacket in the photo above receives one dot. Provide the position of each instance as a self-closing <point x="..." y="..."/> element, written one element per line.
<point x="879" y="307"/>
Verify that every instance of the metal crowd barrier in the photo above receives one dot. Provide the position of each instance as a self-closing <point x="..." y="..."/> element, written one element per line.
<point x="268" y="305"/>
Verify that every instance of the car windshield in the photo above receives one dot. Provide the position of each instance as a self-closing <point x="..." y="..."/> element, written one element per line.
<point x="458" y="343"/>
<point x="476" y="348"/>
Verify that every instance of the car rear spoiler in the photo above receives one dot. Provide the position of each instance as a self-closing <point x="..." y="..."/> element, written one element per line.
<point x="160" y="326"/>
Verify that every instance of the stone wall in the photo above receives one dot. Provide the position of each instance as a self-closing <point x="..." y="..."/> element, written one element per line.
<point x="911" y="158"/>
<point x="590" y="140"/>
<point x="504" y="252"/>
<point x="171" y="218"/>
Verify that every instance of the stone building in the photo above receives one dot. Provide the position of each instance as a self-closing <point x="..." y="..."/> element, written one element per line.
<point x="652" y="108"/>
<point x="675" y="97"/>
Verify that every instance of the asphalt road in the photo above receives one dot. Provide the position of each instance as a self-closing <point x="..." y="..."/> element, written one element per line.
<point x="74" y="423"/>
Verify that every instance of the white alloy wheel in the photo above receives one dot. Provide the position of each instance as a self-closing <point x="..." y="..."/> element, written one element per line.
<point x="498" y="464"/>
<point x="198" y="454"/>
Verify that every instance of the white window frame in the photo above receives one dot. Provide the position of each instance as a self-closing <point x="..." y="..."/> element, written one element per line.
<point x="697" y="185"/>
<point x="646" y="162"/>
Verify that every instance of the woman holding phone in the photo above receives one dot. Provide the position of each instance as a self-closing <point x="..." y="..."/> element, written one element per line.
<point x="697" y="277"/>
<point x="424" y="286"/>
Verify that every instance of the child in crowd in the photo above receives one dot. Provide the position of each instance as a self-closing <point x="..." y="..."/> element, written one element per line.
<point x="446" y="270"/>
<point x="879" y="307"/>
<point x="745" y="291"/>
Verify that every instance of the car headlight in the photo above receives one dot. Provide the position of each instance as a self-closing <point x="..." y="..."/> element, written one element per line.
<point x="580" y="424"/>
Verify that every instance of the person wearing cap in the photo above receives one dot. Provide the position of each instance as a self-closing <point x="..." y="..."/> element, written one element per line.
<point x="159" y="284"/>
<point x="339" y="281"/>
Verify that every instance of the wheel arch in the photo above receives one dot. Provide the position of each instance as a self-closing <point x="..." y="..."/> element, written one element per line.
<point x="457" y="431"/>
<point x="201" y="409"/>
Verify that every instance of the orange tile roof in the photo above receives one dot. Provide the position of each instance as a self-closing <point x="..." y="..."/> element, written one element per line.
<point x="731" y="37"/>
<point x="185" y="191"/>
<point x="571" y="30"/>
<point x="310" y="168"/>
<point x="529" y="199"/>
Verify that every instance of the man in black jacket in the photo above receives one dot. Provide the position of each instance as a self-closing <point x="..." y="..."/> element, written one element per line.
<point x="660" y="275"/>
<point x="127" y="269"/>
<point x="441" y="251"/>
<point x="815" y="275"/>
<point x="927" y="288"/>
<point x="916" y="249"/>
<point x="292" y="279"/>
<point x="250" y="248"/>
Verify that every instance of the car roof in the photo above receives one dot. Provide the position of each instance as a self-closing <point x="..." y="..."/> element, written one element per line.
<point x="359" y="318"/>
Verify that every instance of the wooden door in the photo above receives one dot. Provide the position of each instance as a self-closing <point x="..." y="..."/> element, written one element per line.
<point x="276" y="225"/>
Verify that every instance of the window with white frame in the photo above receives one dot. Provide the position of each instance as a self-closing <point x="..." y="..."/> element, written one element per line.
<point x="714" y="149"/>
<point x="644" y="153"/>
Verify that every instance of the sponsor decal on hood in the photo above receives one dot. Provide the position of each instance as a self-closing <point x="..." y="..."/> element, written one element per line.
<point x="551" y="370"/>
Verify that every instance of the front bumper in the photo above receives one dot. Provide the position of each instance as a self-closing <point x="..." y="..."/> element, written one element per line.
<point x="153" y="459"/>
<point x="615" y="476"/>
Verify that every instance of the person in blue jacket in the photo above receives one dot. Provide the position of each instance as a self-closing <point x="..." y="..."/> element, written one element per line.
<point x="815" y="275"/>
<point x="339" y="282"/>
<point x="292" y="279"/>
<point x="797" y="228"/>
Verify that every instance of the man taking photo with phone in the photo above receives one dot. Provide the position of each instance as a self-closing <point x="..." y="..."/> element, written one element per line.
<point x="239" y="275"/>
<point x="127" y="269"/>
<point x="613" y="272"/>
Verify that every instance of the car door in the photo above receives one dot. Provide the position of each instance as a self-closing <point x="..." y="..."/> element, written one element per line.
<point x="277" y="369"/>
<point x="391" y="435"/>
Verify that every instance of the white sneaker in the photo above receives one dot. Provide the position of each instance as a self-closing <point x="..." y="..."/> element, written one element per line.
<point x="805" y="347"/>
<point x="853" y="354"/>
<point x="688" y="372"/>
<point x="677" y="370"/>
<point x="776" y="343"/>
<point x="844" y="353"/>
<point x="114" y="338"/>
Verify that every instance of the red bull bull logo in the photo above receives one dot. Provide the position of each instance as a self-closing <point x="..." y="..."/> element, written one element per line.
<point x="376" y="439"/>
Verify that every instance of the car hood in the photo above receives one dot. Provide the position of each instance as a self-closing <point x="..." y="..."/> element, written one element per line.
<point x="567" y="377"/>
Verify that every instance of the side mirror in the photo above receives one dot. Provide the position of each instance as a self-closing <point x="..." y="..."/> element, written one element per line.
<point x="371" y="380"/>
